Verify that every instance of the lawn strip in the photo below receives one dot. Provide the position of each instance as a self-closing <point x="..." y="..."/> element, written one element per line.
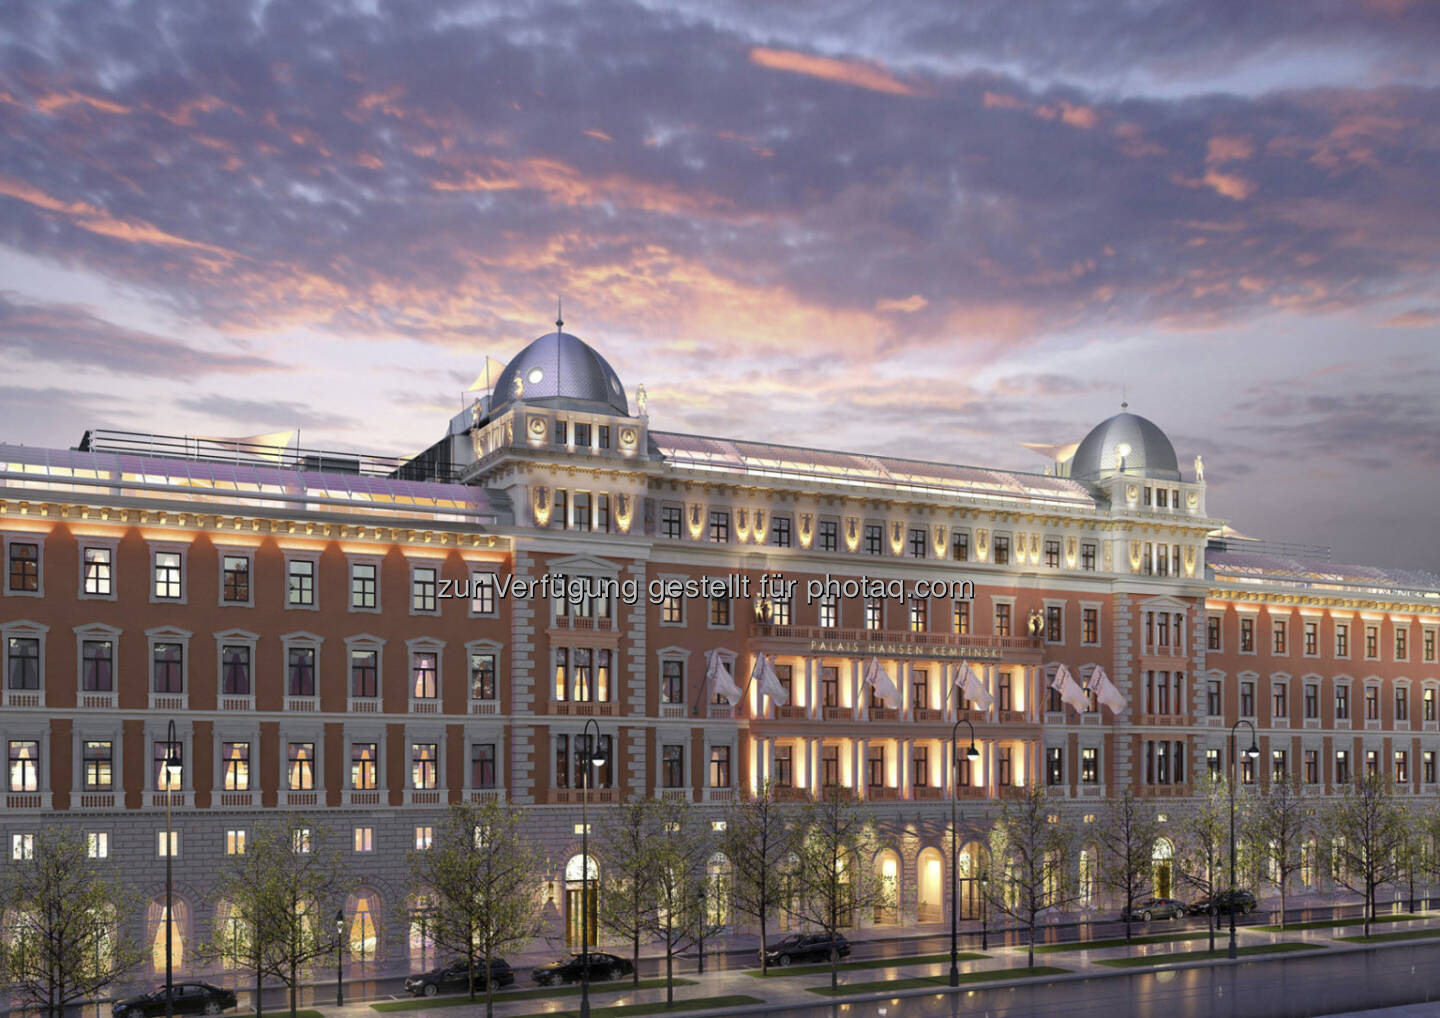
<point x="923" y="982"/>
<point x="776" y="972"/>
<point x="1096" y="945"/>
<point x="501" y="996"/>
<point x="1380" y="938"/>
<point x="1330" y="924"/>
<point x="1151" y="960"/>
<point x="656" y="1007"/>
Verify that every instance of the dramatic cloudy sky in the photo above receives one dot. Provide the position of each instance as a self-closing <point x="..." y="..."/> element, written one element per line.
<point x="935" y="230"/>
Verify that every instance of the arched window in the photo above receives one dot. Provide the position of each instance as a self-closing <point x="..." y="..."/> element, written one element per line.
<point x="422" y="931"/>
<point x="576" y="891"/>
<point x="232" y="937"/>
<point x="717" y="890"/>
<point x="362" y="925"/>
<point x="887" y="874"/>
<point x="1088" y="871"/>
<point x="1162" y="863"/>
<point x="179" y="928"/>
<point x="930" y="904"/>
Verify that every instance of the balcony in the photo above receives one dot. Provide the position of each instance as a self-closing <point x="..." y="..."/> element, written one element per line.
<point x="97" y="800"/>
<point x="27" y="801"/>
<point x="362" y="705"/>
<point x="1013" y="791"/>
<point x="883" y="793"/>
<point x="485" y="707"/>
<point x="583" y="625"/>
<point x="169" y="701"/>
<point x="964" y="792"/>
<point x="672" y="710"/>
<point x="926" y="714"/>
<point x="486" y="795"/>
<point x="423" y="796"/>
<point x="234" y="800"/>
<point x="301" y="800"/>
<point x="574" y="796"/>
<point x="788" y="793"/>
<point x="92" y="700"/>
<point x="884" y="714"/>
<point x="365" y="797"/>
<point x="586" y="708"/>
<point x="719" y="795"/>
<point x="1162" y="791"/>
<point x="927" y="793"/>
<point x="903" y="642"/>
<point x="721" y="711"/>
<point x="1161" y="720"/>
<point x="838" y="713"/>
<point x="178" y="800"/>
<point x="424" y="705"/>
<point x="302" y="704"/>
<point x="232" y="702"/>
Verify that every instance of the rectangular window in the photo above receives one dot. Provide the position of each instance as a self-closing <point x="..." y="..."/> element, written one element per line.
<point x="363" y="585"/>
<point x="829" y="766"/>
<point x="1212" y="763"/>
<point x="1278" y="639"/>
<point x="301" y="769"/>
<point x="672" y="682"/>
<point x="1087" y="557"/>
<point x="581" y="510"/>
<point x="235" y="764"/>
<point x="1372" y="703"/>
<point x="99" y="575"/>
<point x="1402" y="704"/>
<point x="168" y="668"/>
<point x="782" y="611"/>
<point x="562" y="432"/>
<point x="364" y="839"/>
<point x="720" y="611"/>
<point x="670" y="521"/>
<point x="582" y="435"/>
<point x="1212" y="632"/>
<point x="874" y="539"/>
<point x="1054" y="765"/>
<point x="425" y="835"/>
<point x="235" y="582"/>
<point x="1342" y="639"/>
<point x="1003" y="770"/>
<point x="235" y="670"/>
<point x="1212" y="698"/>
<point x="1090" y="626"/>
<point x="918" y="541"/>
<point x="1402" y="766"/>
<point x="98" y="761"/>
<point x="482" y="765"/>
<point x="1052" y="553"/>
<point x="300" y="840"/>
<point x="364" y="766"/>
<point x="25" y="568"/>
<point x="1002" y="691"/>
<point x="1372" y="643"/>
<point x="920" y="766"/>
<point x="602" y="513"/>
<point x="783" y="774"/>
<point x="424" y="765"/>
<point x="482" y="677"/>
<point x="167" y="847"/>
<point x="1002" y="550"/>
<point x="1247" y="699"/>
<point x="672" y="609"/>
<point x="1054" y="623"/>
<point x="364" y="673"/>
<point x="1427" y="645"/>
<point x="1342" y="767"/>
<point x="1342" y="703"/>
<point x="1312" y="701"/>
<point x="829" y="612"/>
<point x="1002" y="620"/>
<point x="720" y="526"/>
<point x="960" y="618"/>
<point x="875" y="767"/>
<point x="235" y="841"/>
<point x="25" y="766"/>
<point x="781" y="533"/>
<point x="829" y="535"/>
<point x="166" y="777"/>
<point x="97" y="844"/>
<point x="672" y="766"/>
<point x="483" y="588"/>
<point x="919" y="689"/>
<point x="1402" y="645"/>
<point x="919" y="614"/>
<point x="1428" y="705"/>
<point x="1279" y="767"/>
<point x="1312" y="638"/>
<point x="602" y="436"/>
<point x="829" y="686"/>
<point x="1279" y="701"/>
<point x="423" y="584"/>
<point x="300" y="582"/>
<point x="300" y="674"/>
<point x="167" y="575"/>
<point x="424" y="675"/>
<point x="97" y="674"/>
<point x="960" y="546"/>
<point x="1090" y="766"/>
<point x="1427" y="760"/>
<point x="719" y="766"/>
<point x="1247" y="636"/>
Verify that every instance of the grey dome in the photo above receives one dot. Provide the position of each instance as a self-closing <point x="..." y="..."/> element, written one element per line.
<point x="559" y="370"/>
<point x="1150" y="453"/>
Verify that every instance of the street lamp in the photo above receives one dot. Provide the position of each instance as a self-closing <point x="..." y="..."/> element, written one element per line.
<point x="985" y="911"/>
<point x="1252" y="753"/>
<point x="970" y="754"/>
<point x="592" y="759"/>
<point x="172" y="767"/>
<point x="339" y="953"/>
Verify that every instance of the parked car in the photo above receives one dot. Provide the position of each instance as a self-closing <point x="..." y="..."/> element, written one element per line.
<point x="190" y="998"/>
<point x="455" y="977"/>
<point x="805" y="947"/>
<point x="567" y="970"/>
<point x="1154" y="908"/>
<point x="1239" y="901"/>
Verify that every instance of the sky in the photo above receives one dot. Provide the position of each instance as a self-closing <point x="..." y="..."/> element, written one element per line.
<point x="931" y="230"/>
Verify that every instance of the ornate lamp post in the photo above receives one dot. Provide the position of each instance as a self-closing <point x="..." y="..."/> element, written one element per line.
<point x="172" y="768"/>
<point x="592" y="760"/>
<point x="985" y="911"/>
<point x="339" y="953"/>
<point x="1252" y="753"/>
<point x="970" y="754"/>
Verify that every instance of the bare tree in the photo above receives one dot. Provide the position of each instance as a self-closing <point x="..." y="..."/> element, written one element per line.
<point x="482" y="877"/>
<point x="63" y="942"/>
<point x="1201" y="859"/>
<point x="832" y="877"/>
<point x="1126" y="834"/>
<point x="759" y="837"/>
<point x="1028" y="876"/>
<point x="1367" y="833"/>
<point x="629" y="833"/>
<point x="676" y="916"/>
<point x="278" y="892"/>
<point x="1277" y="832"/>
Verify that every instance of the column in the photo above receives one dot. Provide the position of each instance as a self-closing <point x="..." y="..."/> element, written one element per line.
<point x="948" y="693"/>
<point x="989" y="782"/>
<point x="855" y="674"/>
<point x="902" y="679"/>
<point x="860" y="755"/>
<point x="904" y="780"/>
<point x="991" y="677"/>
<point x="812" y="679"/>
<point x="770" y="760"/>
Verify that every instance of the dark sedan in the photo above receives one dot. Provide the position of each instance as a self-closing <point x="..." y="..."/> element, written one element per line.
<point x="190" y="998"/>
<point x="455" y="978"/>
<point x="1155" y="908"/>
<point x="806" y="947"/>
<point x="1240" y="902"/>
<point x="568" y="970"/>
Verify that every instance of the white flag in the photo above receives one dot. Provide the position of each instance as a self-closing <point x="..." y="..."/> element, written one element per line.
<point x="882" y="682"/>
<point x="1070" y="692"/>
<point x="770" y="684"/>
<point x="971" y="688"/>
<point x="719" y="680"/>
<point x="1105" y="691"/>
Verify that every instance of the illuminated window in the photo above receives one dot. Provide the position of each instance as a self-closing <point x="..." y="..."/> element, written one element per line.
<point x="782" y="611"/>
<point x="424" y="675"/>
<point x="235" y="758"/>
<point x="1342" y="766"/>
<point x="1212" y="632"/>
<point x="960" y="618"/>
<point x="672" y="610"/>
<point x="364" y="839"/>
<point x="98" y="760"/>
<point x="364" y="764"/>
<point x="167" y="847"/>
<point x="919" y="614"/>
<point x="482" y="677"/>
<point x="301" y="770"/>
<point x="1089" y="766"/>
<point x="424" y="838"/>
<point x="167" y="575"/>
<point x="22" y="847"/>
<point x="24" y="766"/>
<point x="1002" y="620"/>
<point x="672" y="766"/>
<point x="424" y="765"/>
<point x="300" y="840"/>
<point x="874" y="614"/>
<point x="97" y="844"/>
<point x="719" y="766"/>
<point x="960" y="546"/>
<point x="99" y="575"/>
<point x="168" y="779"/>
<point x="1054" y="623"/>
<point x="1090" y="626"/>
<point x="235" y="841"/>
<point x="719" y="611"/>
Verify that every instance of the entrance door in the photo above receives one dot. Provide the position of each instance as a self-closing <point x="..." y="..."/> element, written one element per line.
<point x="572" y="916"/>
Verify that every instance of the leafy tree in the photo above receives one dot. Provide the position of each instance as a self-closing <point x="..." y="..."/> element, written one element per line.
<point x="63" y="942"/>
<point x="831" y="877"/>
<point x="1027" y="857"/>
<point x="629" y="833"/>
<point x="1367" y="833"/>
<point x="481" y="877"/>
<point x="278" y="892"/>
<point x="759" y="837"/>
<point x="1205" y="840"/>
<point x="1277" y="827"/>
<point x="1126" y="835"/>
<point x="677" y="912"/>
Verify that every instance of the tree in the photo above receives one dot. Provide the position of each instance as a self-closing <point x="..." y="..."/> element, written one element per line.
<point x="831" y="877"/>
<point x="759" y="837"/>
<point x="482" y="880"/>
<point x="63" y="941"/>
<point x="1127" y="833"/>
<point x="1028" y="849"/>
<point x="1277" y="829"/>
<point x="278" y="892"/>
<point x="1367" y="834"/>
<point x="676" y="916"/>
<point x="1205" y="841"/>
<point x="630" y="835"/>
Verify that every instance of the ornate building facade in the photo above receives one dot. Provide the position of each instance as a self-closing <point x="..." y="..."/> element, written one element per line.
<point x="361" y="643"/>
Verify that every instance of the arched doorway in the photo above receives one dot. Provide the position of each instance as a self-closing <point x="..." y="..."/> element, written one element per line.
<point x="887" y="875"/>
<point x="576" y="873"/>
<point x="1088" y="874"/>
<point x="422" y="933"/>
<point x="788" y="891"/>
<point x="717" y="891"/>
<point x="930" y="903"/>
<point x="362" y="925"/>
<point x="1162" y="863"/>
<point x="968" y="867"/>
<point x="179" y="934"/>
